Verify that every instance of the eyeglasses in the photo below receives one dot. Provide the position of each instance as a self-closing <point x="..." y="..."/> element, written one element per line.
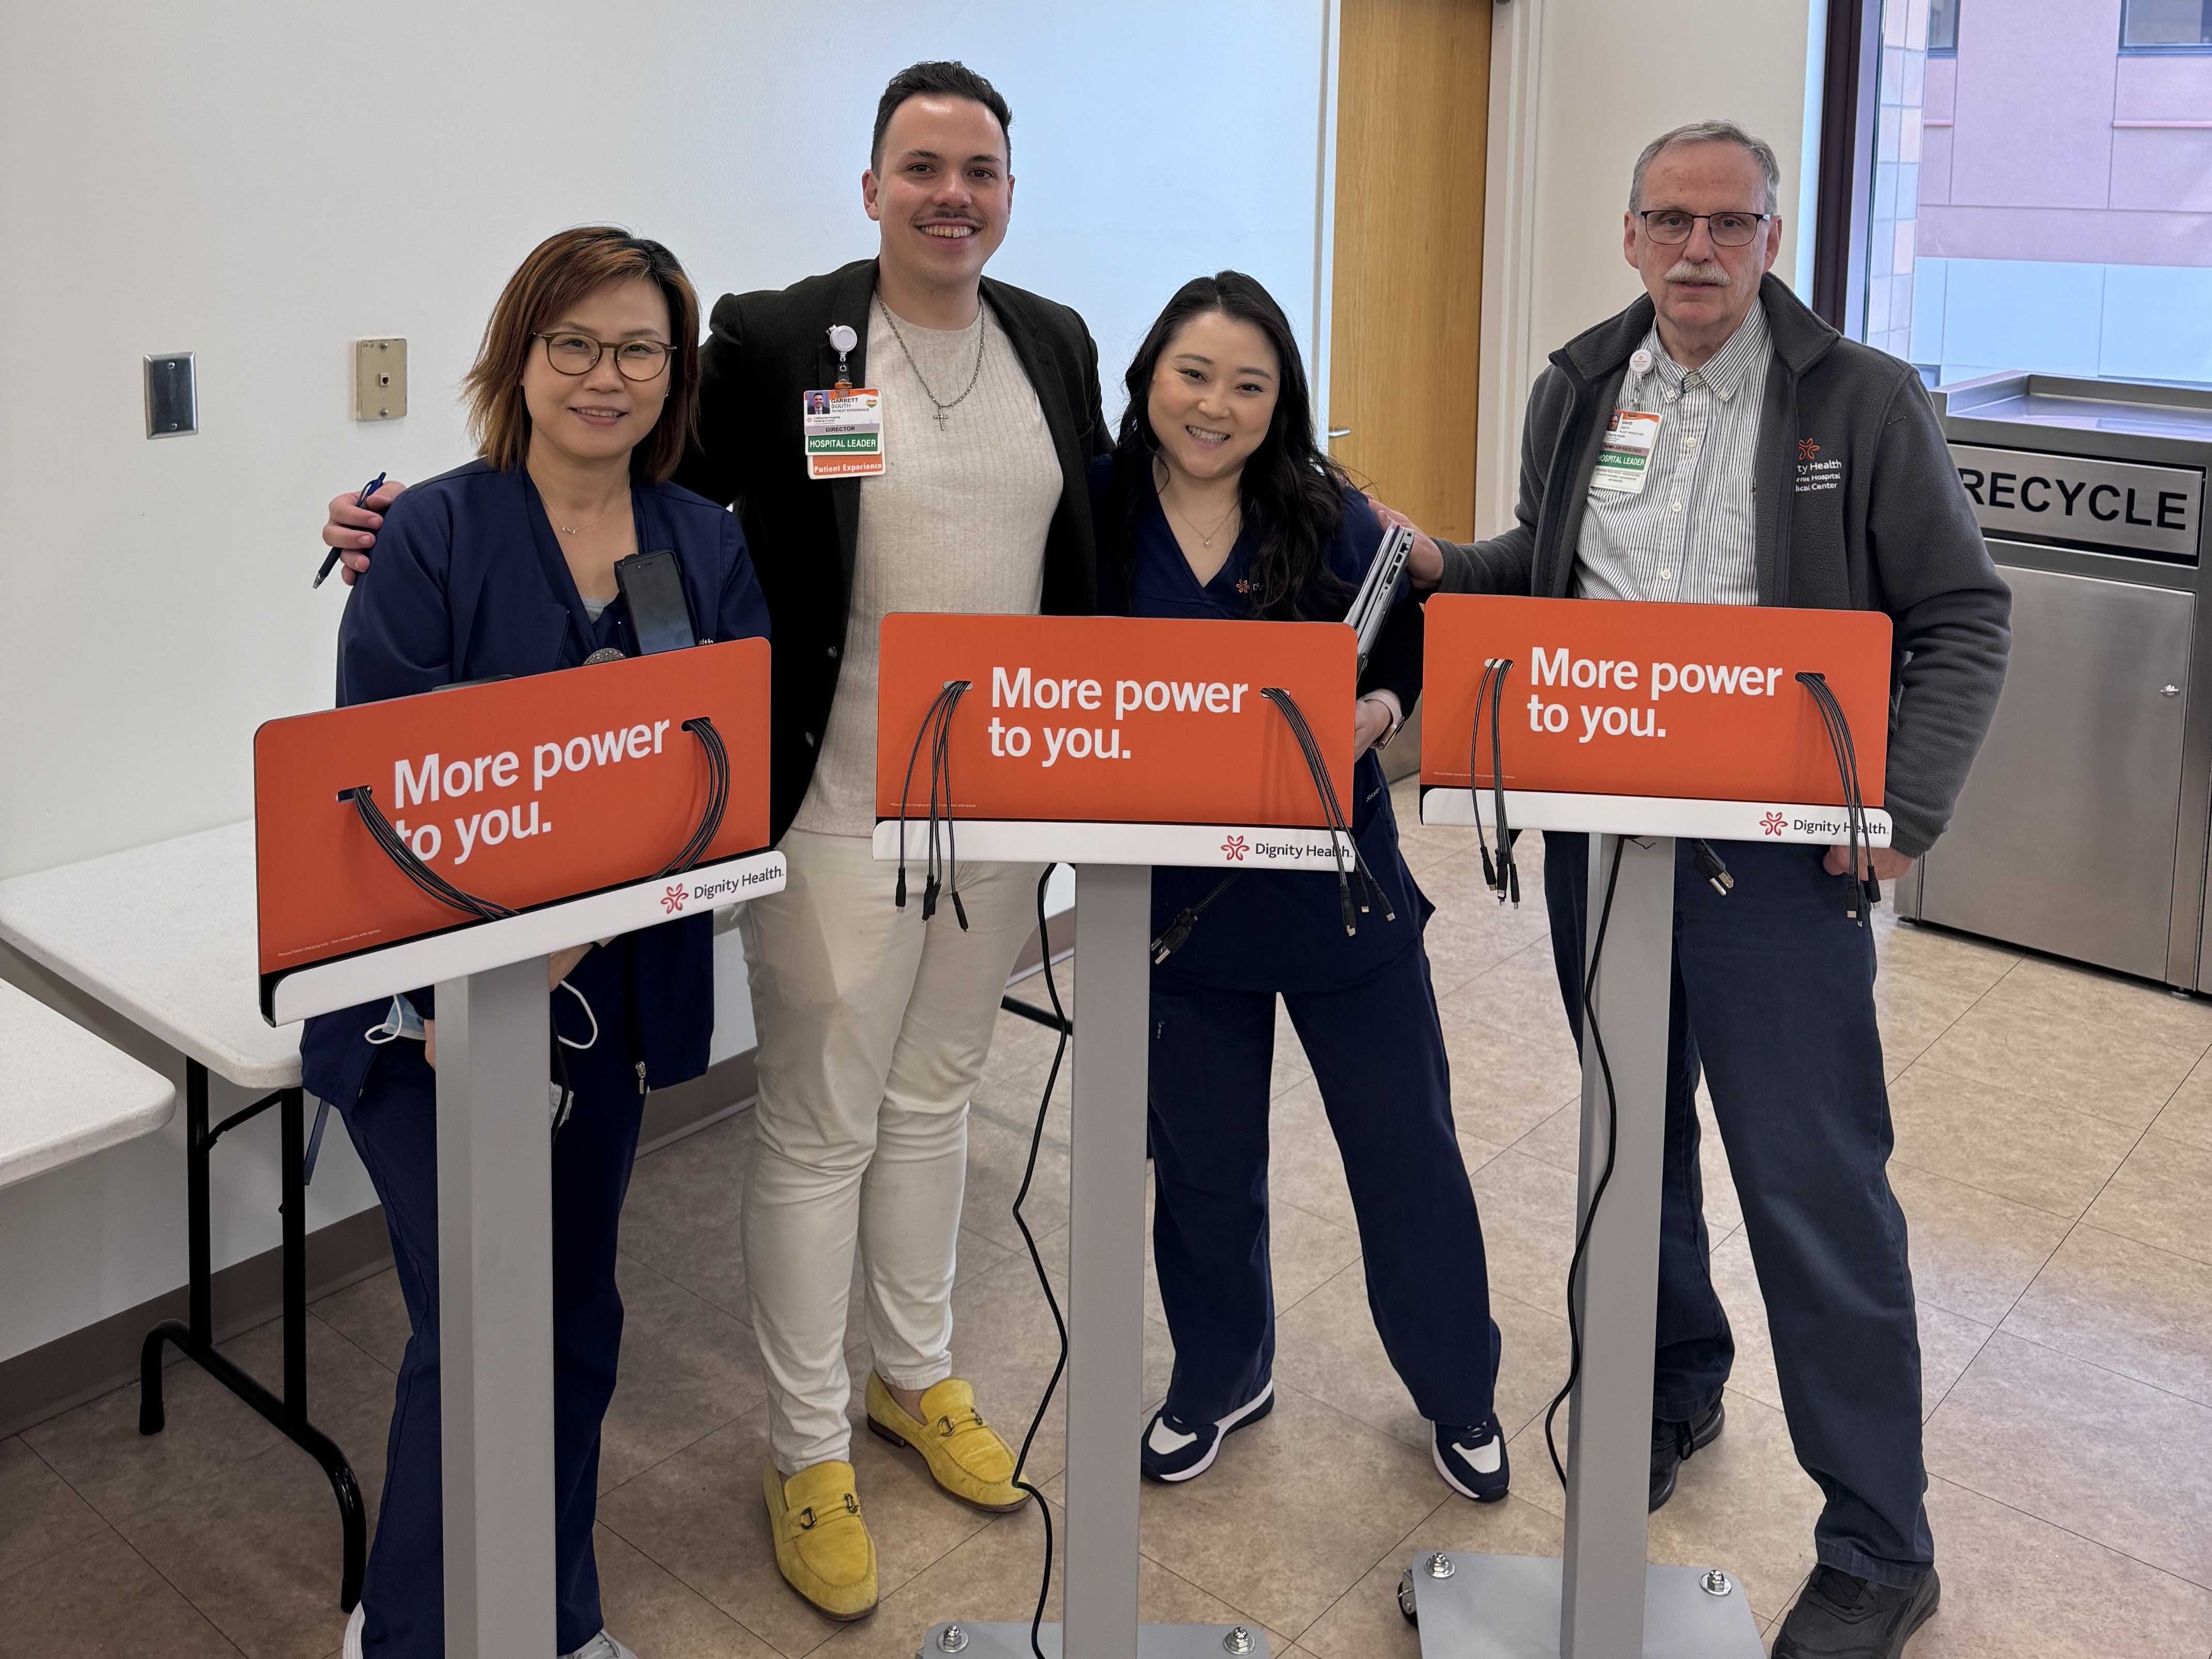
<point x="578" y="354"/>
<point x="1671" y="226"/>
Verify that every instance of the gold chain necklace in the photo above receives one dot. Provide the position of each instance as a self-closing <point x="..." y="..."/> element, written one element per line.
<point x="1204" y="537"/>
<point x="573" y="530"/>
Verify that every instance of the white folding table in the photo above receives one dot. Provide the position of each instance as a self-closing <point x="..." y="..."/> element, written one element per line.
<point x="64" y="1094"/>
<point x="163" y="935"/>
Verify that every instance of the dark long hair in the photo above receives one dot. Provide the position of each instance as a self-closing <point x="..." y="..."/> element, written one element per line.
<point x="1290" y="493"/>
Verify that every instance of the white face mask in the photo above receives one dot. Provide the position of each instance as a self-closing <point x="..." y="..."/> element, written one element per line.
<point x="399" y="1021"/>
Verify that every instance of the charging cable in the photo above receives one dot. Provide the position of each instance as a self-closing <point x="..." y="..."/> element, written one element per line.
<point x="1604" y="1171"/>
<point x="1505" y="877"/>
<point x="564" y="1092"/>
<point x="395" y="847"/>
<point x="718" y="796"/>
<point x="936" y="732"/>
<point x="1710" y="867"/>
<point x="1371" y="893"/>
<point x="1036" y="1262"/>
<point x="1177" y="933"/>
<point x="1860" y="893"/>
<point x="1294" y="717"/>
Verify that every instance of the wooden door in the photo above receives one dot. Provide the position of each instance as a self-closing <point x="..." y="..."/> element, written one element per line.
<point x="1406" y="315"/>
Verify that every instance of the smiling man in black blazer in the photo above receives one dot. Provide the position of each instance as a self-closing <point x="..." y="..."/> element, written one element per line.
<point x="874" y="1025"/>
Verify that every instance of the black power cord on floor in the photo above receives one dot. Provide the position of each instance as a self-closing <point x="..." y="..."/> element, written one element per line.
<point x="1067" y="1027"/>
<point x="1604" y="1171"/>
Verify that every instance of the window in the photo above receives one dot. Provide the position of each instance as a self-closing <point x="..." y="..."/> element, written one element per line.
<point x="2162" y="24"/>
<point x="1943" y="25"/>
<point x="2029" y="200"/>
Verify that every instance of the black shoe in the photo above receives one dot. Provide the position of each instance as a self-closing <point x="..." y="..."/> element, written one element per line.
<point x="1841" y="1616"/>
<point x="1672" y="1441"/>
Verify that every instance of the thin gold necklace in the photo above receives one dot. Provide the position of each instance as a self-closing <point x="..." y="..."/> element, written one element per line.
<point x="572" y="530"/>
<point x="1204" y="537"/>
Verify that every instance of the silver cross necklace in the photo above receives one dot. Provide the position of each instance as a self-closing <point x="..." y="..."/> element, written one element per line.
<point x="975" y="375"/>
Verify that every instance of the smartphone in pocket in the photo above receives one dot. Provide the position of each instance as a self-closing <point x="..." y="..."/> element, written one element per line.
<point x="652" y="585"/>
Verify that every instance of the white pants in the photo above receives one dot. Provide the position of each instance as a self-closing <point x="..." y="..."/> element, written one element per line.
<point x="873" y="1028"/>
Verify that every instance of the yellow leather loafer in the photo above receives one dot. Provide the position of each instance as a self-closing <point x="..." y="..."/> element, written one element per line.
<point x="964" y="1453"/>
<point x="822" y="1545"/>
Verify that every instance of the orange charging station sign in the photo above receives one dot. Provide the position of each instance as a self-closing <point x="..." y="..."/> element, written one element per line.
<point x="525" y="792"/>
<point x="1116" y="720"/>
<point x="1695" y="701"/>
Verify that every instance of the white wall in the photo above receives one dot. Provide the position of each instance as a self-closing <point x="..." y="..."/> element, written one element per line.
<point x="1600" y="80"/>
<point x="264" y="181"/>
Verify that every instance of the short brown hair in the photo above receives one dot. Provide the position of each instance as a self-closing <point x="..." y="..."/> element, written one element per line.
<point x="560" y="270"/>
<point x="942" y="80"/>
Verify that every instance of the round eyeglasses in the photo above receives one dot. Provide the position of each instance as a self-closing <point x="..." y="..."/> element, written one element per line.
<point x="580" y="354"/>
<point x="1671" y="226"/>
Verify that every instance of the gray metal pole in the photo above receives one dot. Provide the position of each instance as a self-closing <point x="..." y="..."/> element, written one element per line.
<point x="1106" y="1256"/>
<point x="495" y="1312"/>
<point x="1616" y="1297"/>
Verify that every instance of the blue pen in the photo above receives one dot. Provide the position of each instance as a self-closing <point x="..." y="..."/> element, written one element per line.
<point x="361" y="500"/>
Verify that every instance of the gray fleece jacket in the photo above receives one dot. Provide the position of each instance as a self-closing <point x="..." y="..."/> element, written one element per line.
<point x="1858" y="508"/>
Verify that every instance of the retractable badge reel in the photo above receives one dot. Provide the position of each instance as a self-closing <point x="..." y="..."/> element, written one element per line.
<point x="842" y="341"/>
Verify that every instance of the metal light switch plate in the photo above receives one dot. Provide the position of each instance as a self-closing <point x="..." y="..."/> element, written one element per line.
<point x="380" y="380"/>
<point x="172" y="399"/>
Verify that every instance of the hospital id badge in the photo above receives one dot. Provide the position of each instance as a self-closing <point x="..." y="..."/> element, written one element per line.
<point x="843" y="429"/>
<point x="1626" y="457"/>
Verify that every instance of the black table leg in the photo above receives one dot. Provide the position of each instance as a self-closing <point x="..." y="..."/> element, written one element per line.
<point x="194" y="1338"/>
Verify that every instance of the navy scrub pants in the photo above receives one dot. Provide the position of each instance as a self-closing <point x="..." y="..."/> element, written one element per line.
<point x="1773" y="996"/>
<point x="1378" y="1058"/>
<point x="394" y="1127"/>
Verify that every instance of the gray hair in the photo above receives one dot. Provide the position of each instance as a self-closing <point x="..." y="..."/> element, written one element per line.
<point x="1710" y="132"/>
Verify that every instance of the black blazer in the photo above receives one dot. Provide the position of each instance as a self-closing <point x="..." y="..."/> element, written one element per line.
<point x="765" y="350"/>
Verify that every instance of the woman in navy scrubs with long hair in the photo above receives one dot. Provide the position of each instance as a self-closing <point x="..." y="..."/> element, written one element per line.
<point x="1217" y="502"/>
<point x="582" y="398"/>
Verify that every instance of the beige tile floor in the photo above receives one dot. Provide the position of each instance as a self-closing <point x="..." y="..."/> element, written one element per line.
<point x="2054" y="1155"/>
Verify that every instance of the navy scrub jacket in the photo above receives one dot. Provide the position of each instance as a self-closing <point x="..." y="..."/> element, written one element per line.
<point x="1270" y="930"/>
<point x="469" y="583"/>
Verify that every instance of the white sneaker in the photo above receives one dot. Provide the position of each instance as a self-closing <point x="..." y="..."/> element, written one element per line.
<point x="601" y="1646"/>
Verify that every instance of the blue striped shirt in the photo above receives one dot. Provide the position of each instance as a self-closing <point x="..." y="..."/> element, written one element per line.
<point x="1691" y="533"/>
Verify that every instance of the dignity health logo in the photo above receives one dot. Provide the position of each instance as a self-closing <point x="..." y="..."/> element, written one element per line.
<point x="679" y="893"/>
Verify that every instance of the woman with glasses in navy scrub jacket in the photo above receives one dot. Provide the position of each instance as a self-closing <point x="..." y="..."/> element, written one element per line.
<point x="1216" y="503"/>
<point x="582" y="398"/>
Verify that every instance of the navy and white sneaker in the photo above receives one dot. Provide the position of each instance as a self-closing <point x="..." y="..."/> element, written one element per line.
<point x="1176" y="1450"/>
<point x="1473" y="1461"/>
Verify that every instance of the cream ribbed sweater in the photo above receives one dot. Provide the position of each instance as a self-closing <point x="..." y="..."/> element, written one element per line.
<point x="957" y="522"/>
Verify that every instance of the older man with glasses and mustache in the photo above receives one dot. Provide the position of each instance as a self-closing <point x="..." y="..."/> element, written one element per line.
<point x="1789" y="466"/>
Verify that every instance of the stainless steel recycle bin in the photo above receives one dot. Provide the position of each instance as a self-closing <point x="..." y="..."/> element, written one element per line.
<point x="2082" y="829"/>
